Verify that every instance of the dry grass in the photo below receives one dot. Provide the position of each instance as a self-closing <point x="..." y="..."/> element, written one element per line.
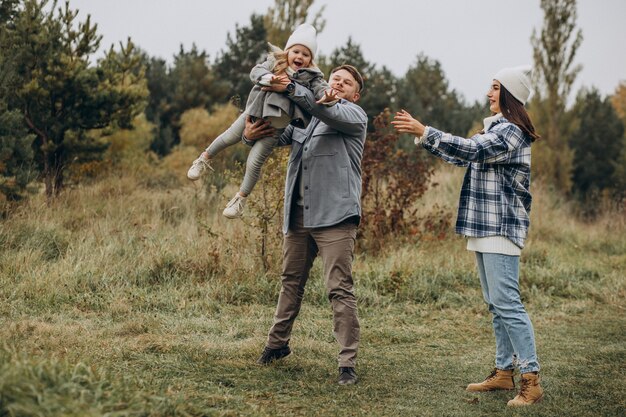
<point x="135" y="297"/>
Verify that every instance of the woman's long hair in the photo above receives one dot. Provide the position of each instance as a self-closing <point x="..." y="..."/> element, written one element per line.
<point x="514" y="111"/>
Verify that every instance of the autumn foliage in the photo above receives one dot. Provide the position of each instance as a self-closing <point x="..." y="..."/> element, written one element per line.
<point x="393" y="181"/>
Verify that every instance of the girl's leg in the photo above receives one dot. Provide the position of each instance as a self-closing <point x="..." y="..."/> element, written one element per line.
<point x="229" y="137"/>
<point x="504" y="348"/>
<point x="259" y="153"/>
<point x="502" y="278"/>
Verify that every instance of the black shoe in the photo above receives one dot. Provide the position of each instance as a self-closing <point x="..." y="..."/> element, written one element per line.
<point x="270" y="355"/>
<point x="347" y="376"/>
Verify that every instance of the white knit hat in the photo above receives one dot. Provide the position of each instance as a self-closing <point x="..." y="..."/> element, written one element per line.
<point x="306" y="35"/>
<point x="516" y="80"/>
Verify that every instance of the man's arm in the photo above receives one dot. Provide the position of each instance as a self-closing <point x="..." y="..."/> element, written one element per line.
<point x="346" y="118"/>
<point x="261" y="129"/>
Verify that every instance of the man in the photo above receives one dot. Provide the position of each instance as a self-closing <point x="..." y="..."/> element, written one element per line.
<point x="322" y="210"/>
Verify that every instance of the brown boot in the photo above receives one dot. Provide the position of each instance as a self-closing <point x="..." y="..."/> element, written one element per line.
<point x="530" y="391"/>
<point x="498" y="380"/>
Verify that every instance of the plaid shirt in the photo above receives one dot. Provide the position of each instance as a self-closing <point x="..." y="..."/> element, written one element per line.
<point x="495" y="198"/>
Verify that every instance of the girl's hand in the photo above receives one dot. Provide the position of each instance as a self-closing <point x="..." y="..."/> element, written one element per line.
<point x="330" y="95"/>
<point x="278" y="83"/>
<point x="403" y="122"/>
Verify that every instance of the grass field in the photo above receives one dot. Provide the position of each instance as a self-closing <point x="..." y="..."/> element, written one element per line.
<point x="126" y="298"/>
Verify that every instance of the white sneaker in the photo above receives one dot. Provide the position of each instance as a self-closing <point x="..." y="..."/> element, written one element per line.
<point x="198" y="167"/>
<point x="234" y="208"/>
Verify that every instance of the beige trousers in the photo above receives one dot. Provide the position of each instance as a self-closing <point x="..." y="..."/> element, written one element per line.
<point x="335" y="245"/>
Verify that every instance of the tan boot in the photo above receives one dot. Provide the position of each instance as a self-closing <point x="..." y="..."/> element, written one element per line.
<point x="530" y="392"/>
<point x="498" y="380"/>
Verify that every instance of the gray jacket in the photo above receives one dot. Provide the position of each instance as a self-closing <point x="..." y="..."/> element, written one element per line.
<point x="329" y="151"/>
<point x="270" y="104"/>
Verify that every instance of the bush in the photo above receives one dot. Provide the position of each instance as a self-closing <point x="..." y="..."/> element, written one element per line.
<point x="199" y="129"/>
<point x="393" y="180"/>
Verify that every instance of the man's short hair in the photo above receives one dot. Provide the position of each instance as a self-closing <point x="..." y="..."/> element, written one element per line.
<point x="353" y="71"/>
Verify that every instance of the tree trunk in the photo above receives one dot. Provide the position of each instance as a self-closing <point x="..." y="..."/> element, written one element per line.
<point x="53" y="173"/>
<point x="49" y="172"/>
<point x="48" y="179"/>
<point x="58" y="179"/>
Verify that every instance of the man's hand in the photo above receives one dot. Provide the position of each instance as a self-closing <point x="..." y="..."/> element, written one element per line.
<point x="257" y="130"/>
<point x="330" y="96"/>
<point x="278" y="83"/>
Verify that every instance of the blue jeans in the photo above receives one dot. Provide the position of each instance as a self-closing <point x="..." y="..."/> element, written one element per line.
<point x="515" y="337"/>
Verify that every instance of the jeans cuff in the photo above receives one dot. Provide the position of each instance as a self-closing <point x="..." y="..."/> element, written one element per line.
<point x="528" y="370"/>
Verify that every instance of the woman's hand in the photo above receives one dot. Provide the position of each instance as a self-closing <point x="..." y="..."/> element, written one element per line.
<point x="259" y="129"/>
<point x="278" y="83"/>
<point x="403" y="122"/>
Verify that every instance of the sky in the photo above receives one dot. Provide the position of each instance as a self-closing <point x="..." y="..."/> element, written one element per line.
<point x="472" y="39"/>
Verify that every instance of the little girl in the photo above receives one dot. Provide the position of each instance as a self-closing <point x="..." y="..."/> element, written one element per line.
<point x="296" y="61"/>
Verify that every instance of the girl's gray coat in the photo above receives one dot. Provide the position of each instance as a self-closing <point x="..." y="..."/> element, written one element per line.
<point x="263" y="104"/>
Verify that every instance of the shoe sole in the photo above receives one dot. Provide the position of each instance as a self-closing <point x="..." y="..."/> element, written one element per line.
<point x="273" y="360"/>
<point x="489" y="390"/>
<point x="231" y="217"/>
<point x="192" y="178"/>
<point x="347" y="383"/>
<point x="538" y="400"/>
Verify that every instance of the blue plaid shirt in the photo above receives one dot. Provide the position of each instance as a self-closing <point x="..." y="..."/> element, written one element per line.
<point x="495" y="198"/>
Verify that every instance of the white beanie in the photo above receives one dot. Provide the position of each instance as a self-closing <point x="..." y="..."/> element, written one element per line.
<point x="306" y="35"/>
<point x="516" y="80"/>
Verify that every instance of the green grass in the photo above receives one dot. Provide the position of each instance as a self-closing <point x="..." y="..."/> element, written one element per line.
<point x="122" y="300"/>
<point x="414" y="360"/>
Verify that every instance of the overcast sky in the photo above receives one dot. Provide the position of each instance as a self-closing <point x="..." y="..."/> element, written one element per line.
<point x="471" y="39"/>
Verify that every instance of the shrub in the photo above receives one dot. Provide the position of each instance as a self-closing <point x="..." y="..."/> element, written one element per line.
<point x="266" y="209"/>
<point x="393" y="179"/>
<point x="199" y="129"/>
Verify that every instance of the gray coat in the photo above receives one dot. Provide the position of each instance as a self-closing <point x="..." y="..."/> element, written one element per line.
<point x="263" y="104"/>
<point x="329" y="151"/>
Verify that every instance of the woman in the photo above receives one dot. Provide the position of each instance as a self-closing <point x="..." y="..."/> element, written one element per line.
<point x="493" y="215"/>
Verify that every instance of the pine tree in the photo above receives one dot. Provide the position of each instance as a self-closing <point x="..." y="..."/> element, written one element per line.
<point x="16" y="155"/>
<point x="58" y="92"/>
<point x="194" y="81"/>
<point x="159" y="109"/>
<point x="554" y="50"/>
<point x="233" y="66"/>
<point x="424" y="91"/>
<point x="380" y="84"/>
<point x="618" y="100"/>
<point x="597" y="144"/>
<point x="8" y="11"/>
<point x="190" y="83"/>
<point x="351" y="54"/>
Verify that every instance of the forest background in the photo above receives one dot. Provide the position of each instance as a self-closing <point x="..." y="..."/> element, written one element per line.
<point x="124" y="291"/>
